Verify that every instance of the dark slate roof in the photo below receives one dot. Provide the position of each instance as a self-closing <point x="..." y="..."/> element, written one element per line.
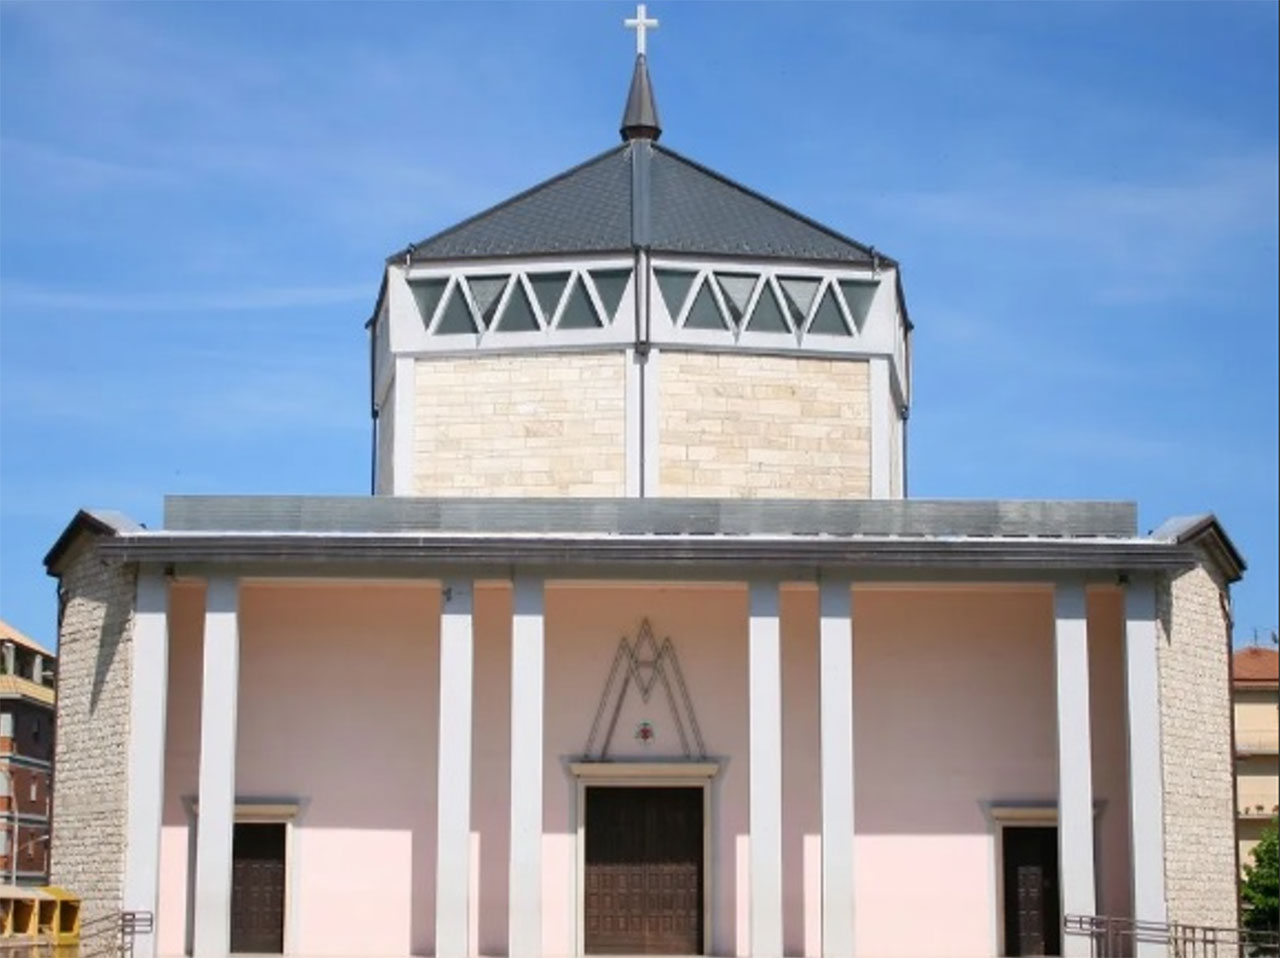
<point x="692" y="209"/>
<point x="696" y="210"/>
<point x="584" y="210"/>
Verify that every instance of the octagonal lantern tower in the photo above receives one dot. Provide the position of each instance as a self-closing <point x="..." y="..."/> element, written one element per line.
<point x="640" y="326"/>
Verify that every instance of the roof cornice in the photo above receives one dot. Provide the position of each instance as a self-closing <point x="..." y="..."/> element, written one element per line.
<point x="1106" y="556"/>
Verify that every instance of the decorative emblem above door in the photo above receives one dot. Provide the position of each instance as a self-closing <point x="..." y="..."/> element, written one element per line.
<point x="646" y="665"/>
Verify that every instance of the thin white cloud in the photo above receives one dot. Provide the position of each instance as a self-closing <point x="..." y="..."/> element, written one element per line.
<point x="1133" y="240"/>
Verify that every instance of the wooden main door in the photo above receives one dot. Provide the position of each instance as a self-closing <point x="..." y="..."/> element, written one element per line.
<point x="643" y="871"/>
<point x="257" y="888"/>
<point x="1032" y="922"/>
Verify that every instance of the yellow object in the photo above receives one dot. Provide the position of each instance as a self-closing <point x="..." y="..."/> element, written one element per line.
<point x="62" y="910"/>
<point x="19" y="909"/>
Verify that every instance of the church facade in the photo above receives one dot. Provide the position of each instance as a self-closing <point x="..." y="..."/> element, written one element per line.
<point x="641" y="646"/>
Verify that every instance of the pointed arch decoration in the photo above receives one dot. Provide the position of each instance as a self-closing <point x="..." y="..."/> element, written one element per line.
<point x="647" y="665"/>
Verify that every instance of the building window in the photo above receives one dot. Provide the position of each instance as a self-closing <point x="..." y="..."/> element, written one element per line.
<point x="35" y="729"/>
<point x="35" y="789"/>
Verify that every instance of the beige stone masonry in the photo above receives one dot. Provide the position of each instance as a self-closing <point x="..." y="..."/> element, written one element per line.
<point x="87" y="846"/>
<point x="538" y="424"/>
<point x="1195" y="720"/>
<point x="751" y="426"/>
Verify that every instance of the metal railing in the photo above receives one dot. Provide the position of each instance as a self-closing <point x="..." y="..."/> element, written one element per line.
<point x="1118" y="937"/>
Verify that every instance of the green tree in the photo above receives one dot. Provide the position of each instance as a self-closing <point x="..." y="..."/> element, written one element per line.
<point x="1261" y="888"/>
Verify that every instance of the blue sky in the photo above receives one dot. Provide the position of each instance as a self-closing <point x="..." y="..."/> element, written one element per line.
<point x="195" y="201"/>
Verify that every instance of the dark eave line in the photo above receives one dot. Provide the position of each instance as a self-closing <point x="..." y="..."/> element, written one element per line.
<point x="460" y="550"/>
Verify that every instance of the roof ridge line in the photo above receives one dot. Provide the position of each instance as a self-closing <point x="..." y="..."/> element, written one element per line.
<point x="509" y="201"/>
<point x="781" y="207"/>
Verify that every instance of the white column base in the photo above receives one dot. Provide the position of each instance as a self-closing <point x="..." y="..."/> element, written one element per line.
<point x="148" y="692"/>
<point x="453" y="782"/>
<point x="836" y="708"/>
<point x="765" y="707"/>
<point x="1146" y="787"/>
<point x="215" y="825"/>
<point x="524" y="909"/>
<point x="1075" y="763"/>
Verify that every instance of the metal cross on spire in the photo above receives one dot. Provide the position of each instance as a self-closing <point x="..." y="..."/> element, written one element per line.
<point x="640" y="23"/>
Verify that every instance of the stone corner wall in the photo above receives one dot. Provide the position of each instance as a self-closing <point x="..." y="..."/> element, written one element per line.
<point x="90" y="760"/>
<point x="1195" y="718"/>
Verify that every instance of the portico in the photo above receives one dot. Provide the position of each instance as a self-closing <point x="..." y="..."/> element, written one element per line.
<point x="789" y="857"/>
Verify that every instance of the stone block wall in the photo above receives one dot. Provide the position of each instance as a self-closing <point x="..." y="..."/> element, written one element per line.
<point x="538" y="424"/>
<point x="1195" y="718"/>
<point x="752" y="426"/>
<point x="91" y="787"/>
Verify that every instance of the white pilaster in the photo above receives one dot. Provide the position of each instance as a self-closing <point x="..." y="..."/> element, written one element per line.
<point x="524" y="908"/>
<point x="765" y="726"/>
<point x="881" y="402"/>
<point x="1146" y="790"/>
<point x="215" y="825"/>
<point x="1075" y="767"/>
<point x="652" y="372"/>
<point x="403" y="394"/>
<point x="632" y="426"/>
<point x="148" y="691"/>
<point x="453" y="781"/>
<point x="836" y="706"/>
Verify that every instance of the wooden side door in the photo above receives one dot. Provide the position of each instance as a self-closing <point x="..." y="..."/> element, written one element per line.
<point x="257" y="888"/>
<point x="643" y="891"/>
<point x="1032" y="919"/>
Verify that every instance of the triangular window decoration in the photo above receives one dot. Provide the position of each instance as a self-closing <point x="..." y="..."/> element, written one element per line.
<point x="456" y="316"/>
<point x="736" y="289"/>
<point x="767" y="316"/>
<point x="426" y="296"/>
<point x="578" y="313"/>
<point x="486" y="291"/>
<point x="798" y="294"/>
<point x="517" y="316"/>
<point x="827" y="320"/>
<point x="704" y="313"/>
<point x="548" y="288"/>
<point x="610" y="284"/>
<point x="858" y="296"/>
<point x="675" y="289"/>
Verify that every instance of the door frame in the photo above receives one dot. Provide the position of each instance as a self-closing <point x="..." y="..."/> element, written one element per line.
<point x="641" y="775"/>
<point x="1026" y="814"/>
<point x="253" y="811"/>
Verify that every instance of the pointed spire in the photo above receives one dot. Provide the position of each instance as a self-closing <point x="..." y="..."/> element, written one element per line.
<point x="640" y="117"/>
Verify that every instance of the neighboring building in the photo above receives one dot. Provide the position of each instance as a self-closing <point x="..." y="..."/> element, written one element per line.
<point x="1255" y="681"/>
<point x="642" y="648"/>
<point x="27" y="672"/>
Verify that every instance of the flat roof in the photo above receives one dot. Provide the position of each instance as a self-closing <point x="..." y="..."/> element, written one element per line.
<point x="365" y="536"/>
<point x="917" y="518"/>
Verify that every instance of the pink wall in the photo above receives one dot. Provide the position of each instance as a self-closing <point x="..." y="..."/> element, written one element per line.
<point x="491" y="768"/>
<point x="584" y="625"/>
<point x="337" y="685"/>
<point x="1107" y="703"/>
<point x="801" y="770"/>
<point x="181" y="763"/>
<point x="954" y="706"/>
